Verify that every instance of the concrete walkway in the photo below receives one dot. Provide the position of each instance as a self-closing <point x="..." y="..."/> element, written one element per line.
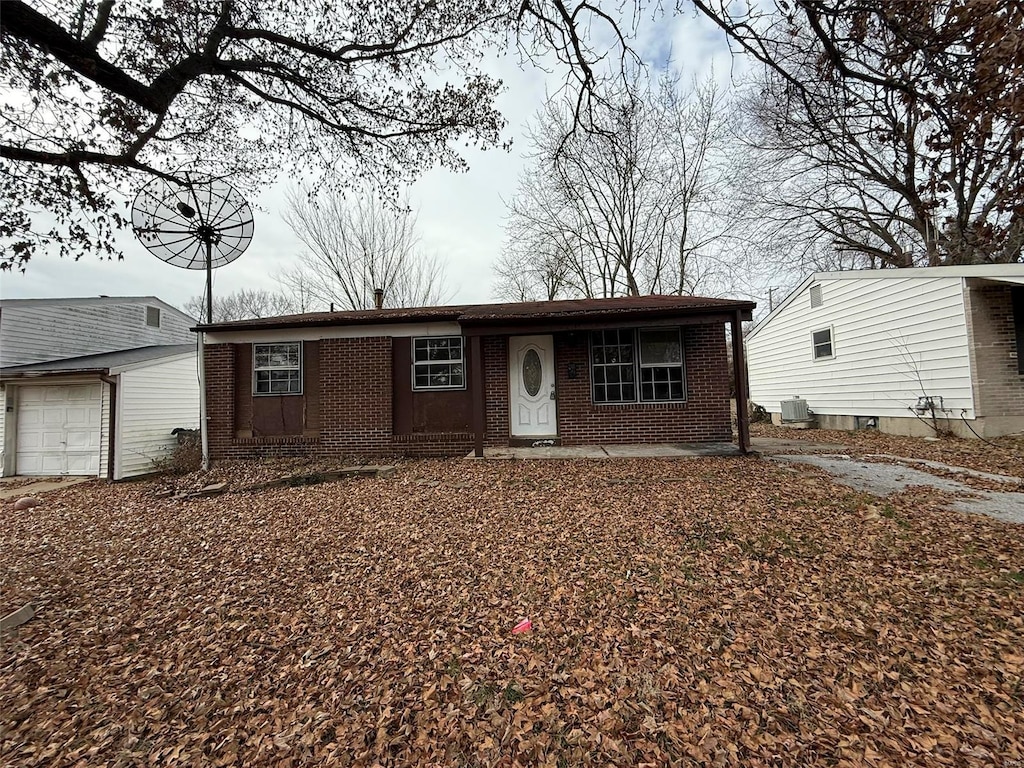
<point x="37" y="486"/>
<point x="612" y="451"/>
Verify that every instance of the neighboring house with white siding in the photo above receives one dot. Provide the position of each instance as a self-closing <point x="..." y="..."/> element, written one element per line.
<point x="94" y="386"/>
<point x="903" y="350"/>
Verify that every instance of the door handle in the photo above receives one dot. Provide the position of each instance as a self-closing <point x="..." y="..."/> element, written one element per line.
<point x="552" y="392"/>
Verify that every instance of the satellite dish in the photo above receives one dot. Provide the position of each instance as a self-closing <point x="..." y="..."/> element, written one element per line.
<point x="197" y="223"/>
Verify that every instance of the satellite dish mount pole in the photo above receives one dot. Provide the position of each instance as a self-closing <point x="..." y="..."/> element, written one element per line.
<point x="209" y="282"/>
<point x="204" y="430"/>
<point x="197" y="222"/>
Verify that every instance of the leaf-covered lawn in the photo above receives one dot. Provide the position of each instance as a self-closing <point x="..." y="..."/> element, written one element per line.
<point x="685" y="612"/>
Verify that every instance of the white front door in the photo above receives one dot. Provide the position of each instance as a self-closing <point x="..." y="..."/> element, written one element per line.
<point x="531" y="378"/>
<point x="58" y="430"/>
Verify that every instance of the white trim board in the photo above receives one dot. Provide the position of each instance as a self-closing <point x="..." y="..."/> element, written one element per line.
<point x="335" y="332"/>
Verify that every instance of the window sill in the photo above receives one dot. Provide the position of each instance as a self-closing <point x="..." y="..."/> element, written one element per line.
<point x="641" y="404"/>
<point x="276" y="440"/>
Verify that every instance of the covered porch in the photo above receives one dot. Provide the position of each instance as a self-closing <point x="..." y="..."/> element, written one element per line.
<point x="534" y="377"/>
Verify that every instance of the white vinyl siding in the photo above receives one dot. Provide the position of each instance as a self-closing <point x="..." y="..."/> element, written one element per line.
<point x="104" y="428"/>
<point x="153" y="400"/>
<point x="33" y="331"/>
<point x="896" y="337"/>
<point x="4" y="416"/>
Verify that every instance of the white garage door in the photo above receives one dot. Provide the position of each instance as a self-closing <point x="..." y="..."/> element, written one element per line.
<point x="58" y="430"/>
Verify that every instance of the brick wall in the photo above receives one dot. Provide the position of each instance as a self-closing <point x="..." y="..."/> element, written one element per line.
<point x="219" y="363"/>
<point x="355" y="408"/>
<point x="496" y="390"/>
<point x="705" y="415"/>
<point x="356" y="397"/>
<point x="998" y="385"/>
<point x="223" y="392"/>
<point x="433" y="444"/>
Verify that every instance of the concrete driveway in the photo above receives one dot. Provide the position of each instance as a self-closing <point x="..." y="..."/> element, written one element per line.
<point x="882" y="479"/>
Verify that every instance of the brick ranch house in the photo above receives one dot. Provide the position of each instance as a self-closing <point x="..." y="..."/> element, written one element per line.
<point x="440" y="381"/>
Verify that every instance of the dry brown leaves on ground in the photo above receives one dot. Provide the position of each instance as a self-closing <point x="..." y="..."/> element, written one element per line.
<point x="1000" y="455"/>
<point x="685" y="612"/>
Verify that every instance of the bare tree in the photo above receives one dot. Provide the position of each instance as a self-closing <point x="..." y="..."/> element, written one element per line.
<point x="626" y="208"/>
<point x="245" y="304"/>
<point x="100" y="96"/>
<point x="356" y="244"/>
<point x="878" y="135"/>
<point x="529" y="271"/>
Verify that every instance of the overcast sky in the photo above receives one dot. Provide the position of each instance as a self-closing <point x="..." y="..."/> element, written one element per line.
<point x="461" y="215"/>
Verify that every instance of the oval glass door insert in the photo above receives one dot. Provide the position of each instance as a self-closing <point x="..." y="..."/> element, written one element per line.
<point x="531" y="372"/>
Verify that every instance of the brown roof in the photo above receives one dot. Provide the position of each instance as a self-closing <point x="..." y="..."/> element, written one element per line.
<point x="506" y="313"/>
<point x="571" y="308"/>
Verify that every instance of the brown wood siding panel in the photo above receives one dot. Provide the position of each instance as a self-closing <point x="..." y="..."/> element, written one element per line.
<point x="401" y="407"/>
<point x="311" y="386"/>
<point x="277" y="415"/>
<point x="423" y="412"/>
<point x="281" y="415"/>
<point x="447" y="411"/>
<point x="243" y="389"/>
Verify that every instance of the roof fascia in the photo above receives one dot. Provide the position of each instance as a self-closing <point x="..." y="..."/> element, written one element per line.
<point x="809" y="280"/>
<point x="23" y="377"/>
<point x="555" y="326"/>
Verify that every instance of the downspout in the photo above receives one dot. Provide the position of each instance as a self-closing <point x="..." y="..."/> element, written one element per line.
<point x="204" y="434"/>
<point x="111" y="424"/>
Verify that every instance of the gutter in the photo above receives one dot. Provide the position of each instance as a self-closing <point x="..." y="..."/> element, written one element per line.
<point x="14" y="376"/>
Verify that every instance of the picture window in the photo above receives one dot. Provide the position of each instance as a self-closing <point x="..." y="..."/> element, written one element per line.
<point x="630" y="366"/>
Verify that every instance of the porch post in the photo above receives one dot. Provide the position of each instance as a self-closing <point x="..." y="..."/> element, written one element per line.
<point x="739" y="367"/>
<point x="479" y="420"/>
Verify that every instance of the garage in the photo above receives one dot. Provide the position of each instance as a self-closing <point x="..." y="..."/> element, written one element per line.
<point x="58" y="429"/>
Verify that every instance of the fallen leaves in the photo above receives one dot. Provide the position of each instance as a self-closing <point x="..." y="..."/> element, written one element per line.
<point x="737" y="615"/>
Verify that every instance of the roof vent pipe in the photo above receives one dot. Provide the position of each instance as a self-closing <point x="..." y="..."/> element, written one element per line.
<point x="378" y="298"/>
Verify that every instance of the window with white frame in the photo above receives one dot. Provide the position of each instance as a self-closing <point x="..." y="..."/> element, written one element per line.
<point x="277" y="368"/>
<point x="620" y="359"/>
<point x="438" y="363"/>
<point x="153" y="317"/>
<point x="821" y="343"/>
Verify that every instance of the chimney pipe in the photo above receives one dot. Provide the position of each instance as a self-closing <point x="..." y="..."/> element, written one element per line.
<point x="378" y="298"/>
